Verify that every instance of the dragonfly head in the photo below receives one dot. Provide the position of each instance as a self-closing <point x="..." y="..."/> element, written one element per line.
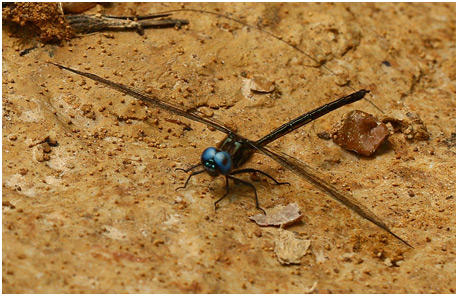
<point x="216" y="161"/>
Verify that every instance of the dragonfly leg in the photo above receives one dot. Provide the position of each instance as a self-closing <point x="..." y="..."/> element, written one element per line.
<point x="187" y="180"/>
<point x="225" y="194"/>
<point x="188" y="169"/>
<point x="254" y="189"/>
<point x="261" y="172"/>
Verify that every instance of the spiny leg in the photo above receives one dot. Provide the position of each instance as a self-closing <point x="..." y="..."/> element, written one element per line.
<point x="227" y="192"/>
<point x="187" y="180"/>
<point x="189" y="169"/>
<point x="261" y="172"/>
<point x="254" y="189"/>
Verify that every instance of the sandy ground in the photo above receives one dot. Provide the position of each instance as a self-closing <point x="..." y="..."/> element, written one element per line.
<point x="89" y="199"/>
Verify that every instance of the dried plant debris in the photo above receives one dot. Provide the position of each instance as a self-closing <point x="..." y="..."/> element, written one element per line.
<point x="408" y="123"/>
<point x="93" y="23"/>
<point x="358" y="131"/>
<point x="289" y="249"/>
<point x="46" y="19"/>
<point x="50" y="23"/>
<point x="279" y="216"/>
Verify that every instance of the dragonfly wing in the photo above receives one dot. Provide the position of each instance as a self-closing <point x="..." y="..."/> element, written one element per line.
<point x="314" y="177"/>
<point x="151" y="100"/>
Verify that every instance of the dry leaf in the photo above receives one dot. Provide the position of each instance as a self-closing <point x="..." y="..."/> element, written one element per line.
<point x="279" y="216"/>
<point x="289" y="249"/>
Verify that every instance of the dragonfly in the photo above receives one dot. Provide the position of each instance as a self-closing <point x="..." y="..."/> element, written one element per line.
<point x="235" y="150"/>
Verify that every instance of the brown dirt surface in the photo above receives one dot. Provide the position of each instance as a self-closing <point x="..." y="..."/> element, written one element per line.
<point x="88" y="190"/>
<point x="46" y="19"/>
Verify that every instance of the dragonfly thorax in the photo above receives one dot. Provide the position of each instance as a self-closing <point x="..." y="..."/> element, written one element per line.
<point x="238" y="148"/>
<point x="216" y="161"/>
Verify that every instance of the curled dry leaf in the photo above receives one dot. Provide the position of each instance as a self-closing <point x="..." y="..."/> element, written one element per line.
<point x="358" y="131"/>
<point x="256" y="84"/>
<point x="279" y="216"/>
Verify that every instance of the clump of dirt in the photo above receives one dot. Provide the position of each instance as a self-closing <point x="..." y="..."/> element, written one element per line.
<point x="46" y="19"/>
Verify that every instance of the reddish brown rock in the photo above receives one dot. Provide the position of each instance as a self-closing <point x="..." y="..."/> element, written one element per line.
<point x="359" y="132"/>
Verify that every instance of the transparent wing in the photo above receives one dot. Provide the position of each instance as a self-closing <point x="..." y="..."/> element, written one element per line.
<point x="151" y="100"/>
<point x="314" y="177"/>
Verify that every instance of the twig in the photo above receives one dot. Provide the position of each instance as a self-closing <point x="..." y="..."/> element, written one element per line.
<point x="92" y="23"/>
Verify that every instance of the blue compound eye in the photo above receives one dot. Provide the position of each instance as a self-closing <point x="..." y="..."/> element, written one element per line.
<point x="208" y="161"/>
<point x="224" y="162"/>
<point x="216" y="162"/>
<point x="208" y="154"/>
